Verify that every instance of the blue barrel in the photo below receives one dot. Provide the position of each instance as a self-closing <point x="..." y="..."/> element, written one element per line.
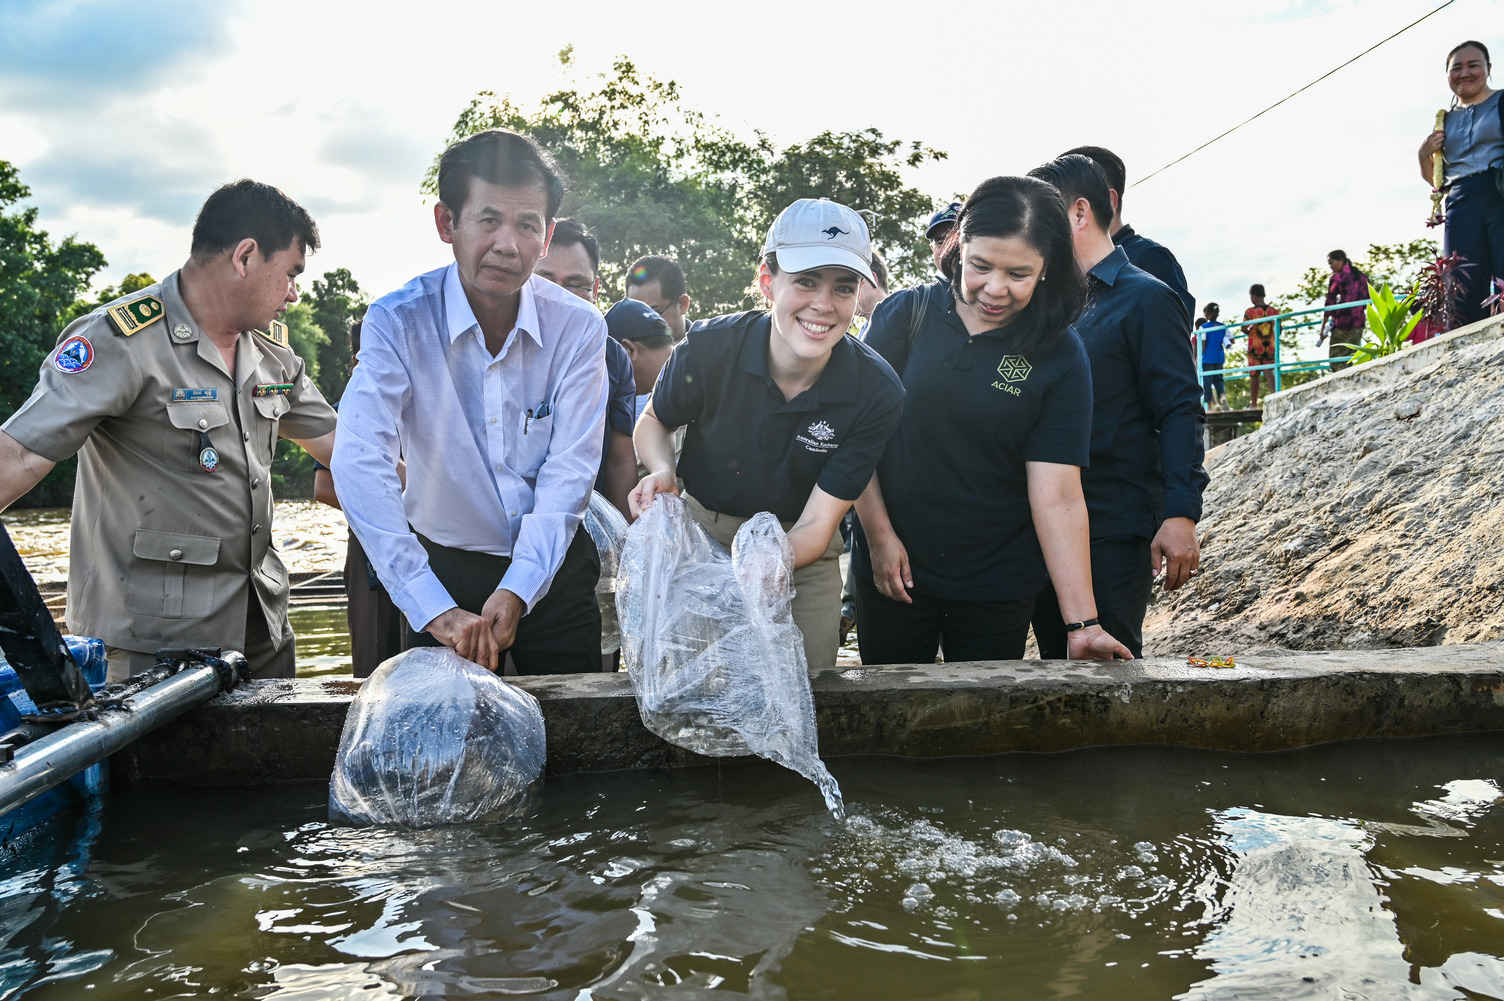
<point x="14" y="703"/>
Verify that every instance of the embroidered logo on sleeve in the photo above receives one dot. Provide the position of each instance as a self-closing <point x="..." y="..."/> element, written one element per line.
<point x="74" y="355"/>
<point x="818" y="437"/>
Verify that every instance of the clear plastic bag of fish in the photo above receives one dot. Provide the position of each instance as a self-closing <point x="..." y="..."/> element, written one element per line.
<point x="433" y="739"/>
<point x="608" y="530"/>
<point x="709" y="639"/>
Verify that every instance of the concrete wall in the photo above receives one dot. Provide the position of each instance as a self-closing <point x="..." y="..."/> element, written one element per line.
<point x="1361" y="378"/>
<point x="275" y="731"/>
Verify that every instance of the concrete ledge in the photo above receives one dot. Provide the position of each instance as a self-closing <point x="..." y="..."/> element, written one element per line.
<point x="279" y="731"/>
<point x="1359" y="379"/>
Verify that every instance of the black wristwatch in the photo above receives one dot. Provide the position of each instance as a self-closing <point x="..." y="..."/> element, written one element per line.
<point x="1071" y="627"/>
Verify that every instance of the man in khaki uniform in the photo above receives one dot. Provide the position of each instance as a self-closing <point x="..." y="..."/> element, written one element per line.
<point x="175" y="409"/>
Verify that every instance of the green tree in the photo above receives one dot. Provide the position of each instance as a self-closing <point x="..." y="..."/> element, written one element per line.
<point x="39" y="281"/>
<point x="649" y="176"/>
<point x="336" y="302"/>
<point x="128" y="284"/>
<point x="305" y="337"/>
<point x="1394" y="264"/>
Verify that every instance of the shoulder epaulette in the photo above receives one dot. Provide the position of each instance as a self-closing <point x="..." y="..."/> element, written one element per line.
<point x="276" y="332"/>
<point x="129" y="317"/>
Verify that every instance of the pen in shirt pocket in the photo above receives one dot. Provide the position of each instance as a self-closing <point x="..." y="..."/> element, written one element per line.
<point x="536" y="414"/>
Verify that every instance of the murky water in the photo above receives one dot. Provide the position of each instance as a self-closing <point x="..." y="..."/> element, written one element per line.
<point x="1361" y="870"/>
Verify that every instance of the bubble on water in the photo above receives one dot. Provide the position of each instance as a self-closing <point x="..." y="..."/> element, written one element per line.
<point x="917" y="896"/>
<point x="1145" y="852"/>
<point x="1007" y="899"/>
<point x="1062" y="902"/>
<point x="1130" y="872"/>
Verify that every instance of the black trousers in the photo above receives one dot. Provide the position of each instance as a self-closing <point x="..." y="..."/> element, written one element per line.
<point x="891" y="632"/>
<point x="1475" y="229"/>
<point x="375" y="624"/>
<point x="562" y="632"/>
<point x="1120" y="580"/>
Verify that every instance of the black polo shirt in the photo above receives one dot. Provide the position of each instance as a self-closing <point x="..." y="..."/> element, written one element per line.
<point x="1146" y="444"/>
<point x="953" y="476"/>
<point x="1155" y="258"/>
<point x="746" y="448"/>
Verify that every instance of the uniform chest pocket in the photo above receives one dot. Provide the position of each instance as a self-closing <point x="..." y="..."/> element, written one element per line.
<point x="270" y="409"/>
<point x="181" y="443"/>
<point x="172" y="576"/>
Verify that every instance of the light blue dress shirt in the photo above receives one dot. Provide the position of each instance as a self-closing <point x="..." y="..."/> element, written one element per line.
<point x="501" y="452"/>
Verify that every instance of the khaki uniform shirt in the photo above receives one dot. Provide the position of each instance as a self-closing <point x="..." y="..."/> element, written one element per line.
<point x="165" y="552"/>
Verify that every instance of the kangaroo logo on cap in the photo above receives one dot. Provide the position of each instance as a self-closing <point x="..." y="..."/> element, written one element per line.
<point x="833" y="232"/>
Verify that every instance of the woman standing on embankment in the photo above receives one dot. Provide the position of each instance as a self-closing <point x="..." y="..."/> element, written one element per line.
<point x="1472" y="144"/>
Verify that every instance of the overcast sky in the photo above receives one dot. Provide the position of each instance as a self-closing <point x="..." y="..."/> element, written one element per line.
<point x="122" y="117"/>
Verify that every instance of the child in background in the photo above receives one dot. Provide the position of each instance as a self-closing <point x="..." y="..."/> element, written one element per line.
<point x="1215" y="339"/>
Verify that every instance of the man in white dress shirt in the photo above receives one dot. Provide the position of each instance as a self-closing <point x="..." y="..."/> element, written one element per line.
<point x="491" y="384"/>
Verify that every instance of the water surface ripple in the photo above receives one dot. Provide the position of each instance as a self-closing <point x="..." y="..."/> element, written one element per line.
<point x="1357" y="870"/>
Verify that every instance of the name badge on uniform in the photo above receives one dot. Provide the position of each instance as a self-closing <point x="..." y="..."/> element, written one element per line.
<point x="272" y="389"/>
<point x="194" y="395"/>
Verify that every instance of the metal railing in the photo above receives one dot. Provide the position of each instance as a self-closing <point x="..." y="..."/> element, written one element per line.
<point x="1294" y="320"/>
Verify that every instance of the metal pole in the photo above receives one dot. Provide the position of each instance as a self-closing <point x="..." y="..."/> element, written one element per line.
<point x="1276" y="354"/>
<point x="52" y="760"/>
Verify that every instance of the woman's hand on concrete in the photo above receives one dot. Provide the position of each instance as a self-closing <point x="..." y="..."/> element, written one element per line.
<point x="1094" y="643"/>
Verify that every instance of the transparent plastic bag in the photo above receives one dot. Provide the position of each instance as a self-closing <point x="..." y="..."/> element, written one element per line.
<point x="433" y="739"/>
<point x="709" y="640"/>
<point x="608" y="530"/>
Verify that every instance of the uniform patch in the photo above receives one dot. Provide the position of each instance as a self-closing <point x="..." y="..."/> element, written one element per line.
<point x="74" y="355"/>
<point x="194" y="395"/>
<point x="272" y="389"/>
<point x="129" y="317"/>
<point x="182" y="331"/>
<point x="208" y="459"/>
<point x="276" y="332"/>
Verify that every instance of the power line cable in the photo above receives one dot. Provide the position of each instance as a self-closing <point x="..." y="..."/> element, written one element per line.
<point x="1282" y="100"/>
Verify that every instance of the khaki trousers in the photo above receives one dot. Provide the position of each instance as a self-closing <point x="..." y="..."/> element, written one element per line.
<point x="263" y="660"/>
<point x="817" y="587"/>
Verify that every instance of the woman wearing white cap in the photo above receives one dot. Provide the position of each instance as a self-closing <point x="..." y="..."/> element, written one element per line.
<point x="783" y="412"/>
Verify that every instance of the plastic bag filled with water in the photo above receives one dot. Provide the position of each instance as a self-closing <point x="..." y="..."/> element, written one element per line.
<point x="709" y="639"/>
<point x="433" y="739"/>
<point x="608" y="530"/>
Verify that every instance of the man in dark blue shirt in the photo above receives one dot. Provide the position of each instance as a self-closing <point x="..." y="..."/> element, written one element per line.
<point x="1143" y="253"/>
<point x="573" y="261"/>
<point x="1143" y="489"/>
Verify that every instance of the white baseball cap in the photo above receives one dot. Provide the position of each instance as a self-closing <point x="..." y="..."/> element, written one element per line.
<point x="819" y="233"/>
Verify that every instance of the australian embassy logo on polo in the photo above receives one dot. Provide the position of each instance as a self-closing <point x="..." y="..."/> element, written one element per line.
<point x="1013" y="368"/>
<point x="818" y="437"/>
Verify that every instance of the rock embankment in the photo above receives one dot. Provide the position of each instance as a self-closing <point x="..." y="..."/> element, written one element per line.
<point x="1365" y="513"/>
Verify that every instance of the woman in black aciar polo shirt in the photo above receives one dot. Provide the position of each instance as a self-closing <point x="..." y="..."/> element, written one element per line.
<point x="784" y="412"/>
<point x="979" y="489"/>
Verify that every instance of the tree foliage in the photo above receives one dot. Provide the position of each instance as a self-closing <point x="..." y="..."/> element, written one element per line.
<point x="39" y="281"/>
<point x="650" y="177"/>
<point x="88" y="304"/>
<point x="1397" y="265"/>
<point x="335" y="304"/>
